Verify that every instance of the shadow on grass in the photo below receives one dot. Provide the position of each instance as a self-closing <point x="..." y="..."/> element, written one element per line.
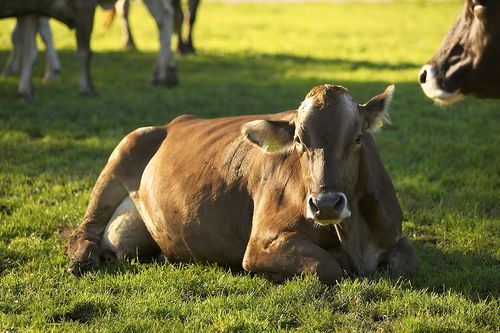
<point x="64" y="132"/>
<point x="474" y="274"/>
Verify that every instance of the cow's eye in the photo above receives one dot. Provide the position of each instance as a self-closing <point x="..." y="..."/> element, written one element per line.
<point x="359" y="138"/>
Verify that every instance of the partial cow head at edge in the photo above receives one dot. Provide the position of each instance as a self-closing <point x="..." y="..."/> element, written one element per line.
<point x="467" y="62"/>
<point x="327" y="136"/>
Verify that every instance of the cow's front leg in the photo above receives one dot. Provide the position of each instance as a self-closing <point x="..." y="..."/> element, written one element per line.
<point x="83" y="246"/>
<point x="165" y="71"/>
<point x="290" y="254"/>
<point x="27" y="32"/>
<point x="53" y="67"/>
<point x="402" y="259"/>
<point x="84" y="23"/>
<point x="14" y="63"/>
<point x="122" y="9"/>
<point x="193" y="8"/>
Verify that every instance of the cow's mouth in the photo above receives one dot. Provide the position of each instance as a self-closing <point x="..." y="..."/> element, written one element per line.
<point x="325" y="223"/>
<point x="434" y="89"/>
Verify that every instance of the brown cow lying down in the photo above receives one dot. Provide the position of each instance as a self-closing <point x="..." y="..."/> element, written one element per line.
<point x="468" y="60"/>
<point x="302" y="191"/>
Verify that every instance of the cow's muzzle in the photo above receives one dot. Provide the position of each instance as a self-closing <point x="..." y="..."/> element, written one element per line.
<point x="328" y="208"/>
<point x="434" y="89"/>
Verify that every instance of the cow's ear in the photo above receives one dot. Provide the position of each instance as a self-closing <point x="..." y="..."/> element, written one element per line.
<point x="270" y="136"/>
<point x="375" y="112"/>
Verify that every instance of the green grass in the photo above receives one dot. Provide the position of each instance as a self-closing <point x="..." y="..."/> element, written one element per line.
<point x="252" y="58"/>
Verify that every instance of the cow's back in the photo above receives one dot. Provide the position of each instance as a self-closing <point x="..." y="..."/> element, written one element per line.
<point x="194" y="194"/>
<point x="61" y="10"/>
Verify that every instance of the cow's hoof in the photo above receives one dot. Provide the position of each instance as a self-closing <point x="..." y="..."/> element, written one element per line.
<point x="26" y="96"/>
<point x="170" y="80"/>
<point x="88" y="92"/>
<point x="78" y="268"/>
<point x="9" y="71"/>
<point x="130" y="47"/>
<point x="52" y="76"/>
<point x="185" y="48"/>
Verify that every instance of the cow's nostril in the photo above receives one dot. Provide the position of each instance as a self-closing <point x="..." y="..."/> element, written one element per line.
<point x="423" y="76"/>
<point x="339" y="205"/>
<point x="313" y="206"/>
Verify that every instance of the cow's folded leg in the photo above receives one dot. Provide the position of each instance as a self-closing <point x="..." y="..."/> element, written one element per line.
<point x="290" y="255"/>
<point x="83" y="247"/>
<point x="402" y="260"/>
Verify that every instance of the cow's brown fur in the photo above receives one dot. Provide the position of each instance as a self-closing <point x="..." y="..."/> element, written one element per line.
<point x="468" y="60"/>
<point x="207" y="192"/>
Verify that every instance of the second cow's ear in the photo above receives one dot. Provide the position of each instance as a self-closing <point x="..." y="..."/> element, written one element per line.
<point x="375" y="112"/>
<point x="270" y="136"/>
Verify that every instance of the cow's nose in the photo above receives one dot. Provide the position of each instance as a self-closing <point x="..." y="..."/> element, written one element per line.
<point x="328" y="206"/>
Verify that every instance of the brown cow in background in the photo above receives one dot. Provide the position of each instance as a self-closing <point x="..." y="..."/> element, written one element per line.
<point x="298" y="192"/>
<point x="468" y="61"/>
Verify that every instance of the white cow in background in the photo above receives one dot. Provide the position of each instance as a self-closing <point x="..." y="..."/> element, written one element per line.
<point x="53" y="66"/>
<point x="24" y="50"/>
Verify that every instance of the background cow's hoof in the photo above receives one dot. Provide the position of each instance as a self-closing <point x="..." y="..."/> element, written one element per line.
<point x="185" y="48"/>
<point x="78" y="268"/>
<point x="90" y="92"/>
<point x="130" y="46"/>
<point x="170" y="80"/>
<point x="10" y="71"/>
<point x="52" y="76"/>
<point x="26" y="96"/>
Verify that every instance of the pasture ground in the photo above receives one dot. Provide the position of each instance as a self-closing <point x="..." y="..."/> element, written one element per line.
<point x="252" y="58"/>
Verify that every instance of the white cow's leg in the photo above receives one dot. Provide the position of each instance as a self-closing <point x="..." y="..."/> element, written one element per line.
<point x="14" y="63"/>
<point x="53" y="67"/>
<point x="84" y="26"/>
<point x="165" y="71"/>
<point x="122" y="9"/>
<point x="27" y="32"/>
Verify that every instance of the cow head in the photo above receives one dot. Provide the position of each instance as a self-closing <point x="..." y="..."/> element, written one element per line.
<point x="327" y="136"/>
<point x="468" y="61"/>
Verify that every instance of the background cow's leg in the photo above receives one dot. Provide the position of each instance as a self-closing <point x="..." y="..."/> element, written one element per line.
<point x="27" y="32"/>
<point x="14" y="63"/>
<point x="193" y="8"/>
<point x="53" y="67"/>
<point x="288" y="255"/>
<point x="165" y="71"/>
<point x="122" y="9"/>
<point x="402" y="259"/>
<point x="84" y="23"/>
<point x="178" y="21"/>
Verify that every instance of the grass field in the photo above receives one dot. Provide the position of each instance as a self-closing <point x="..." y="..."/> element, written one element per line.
<point x="252" y="58"/>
